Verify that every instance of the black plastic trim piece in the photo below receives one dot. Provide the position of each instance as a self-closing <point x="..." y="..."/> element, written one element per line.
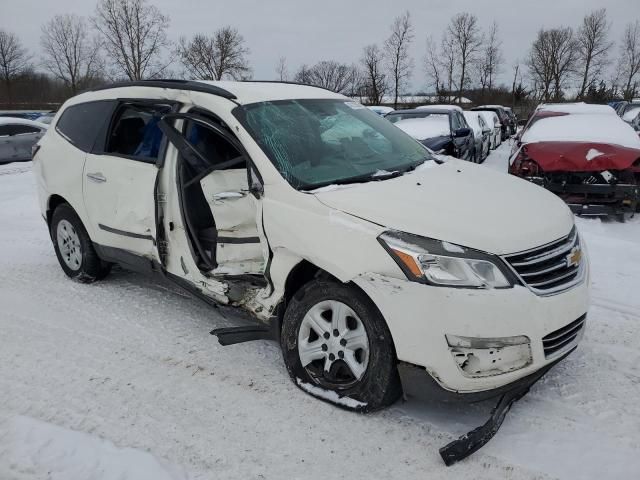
<point x="127" y="259"/>
<point x="238" y="240"/>
<point x="232" y="335"/>
<point x="478" y="437"/>
<point x="124" y="233"/>
<point x="173" y="84"/>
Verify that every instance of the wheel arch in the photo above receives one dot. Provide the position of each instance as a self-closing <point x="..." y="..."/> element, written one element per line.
<point x="54" y="202"/>
<point x="305" y="271"/>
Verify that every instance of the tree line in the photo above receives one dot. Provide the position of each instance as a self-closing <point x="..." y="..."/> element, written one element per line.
<point x="127" y="39"/>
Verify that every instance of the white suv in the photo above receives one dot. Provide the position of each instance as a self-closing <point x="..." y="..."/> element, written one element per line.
<point x="367" y="255"/>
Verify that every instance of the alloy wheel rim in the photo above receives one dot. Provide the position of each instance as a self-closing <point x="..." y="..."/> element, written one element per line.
<point x="333" y="345"/>
<point x="69" y="245"/>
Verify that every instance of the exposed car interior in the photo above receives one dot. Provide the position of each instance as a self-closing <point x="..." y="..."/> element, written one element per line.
<point x="215" y="153"/>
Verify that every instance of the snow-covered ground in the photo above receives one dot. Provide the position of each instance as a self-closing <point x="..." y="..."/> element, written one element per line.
<point x="121" y="380"/>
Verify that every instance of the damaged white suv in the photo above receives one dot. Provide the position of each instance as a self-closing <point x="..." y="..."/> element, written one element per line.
<point x="368" y="257"/>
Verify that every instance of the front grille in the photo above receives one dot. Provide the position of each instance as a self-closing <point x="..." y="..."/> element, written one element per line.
<point x="552" y="267"/>
<point x="563" y="338"/>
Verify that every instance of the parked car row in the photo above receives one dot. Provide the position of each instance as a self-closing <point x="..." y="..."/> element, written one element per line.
<point x="586" y="154"/>
<point x="447" y="129"/>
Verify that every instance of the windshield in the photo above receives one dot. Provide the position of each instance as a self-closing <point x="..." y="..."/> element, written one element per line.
<point x="314" y="143"/>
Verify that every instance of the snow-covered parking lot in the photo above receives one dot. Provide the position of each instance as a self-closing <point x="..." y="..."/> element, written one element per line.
<point x="121" y="380"/>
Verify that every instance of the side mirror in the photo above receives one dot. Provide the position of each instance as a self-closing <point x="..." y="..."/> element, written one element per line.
<point x="462" y="132"/>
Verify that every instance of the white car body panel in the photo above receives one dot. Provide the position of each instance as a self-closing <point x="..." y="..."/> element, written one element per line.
<point x="407" y="203"/>
<point x="335" y="229"/>
<point x="123" y="201"/>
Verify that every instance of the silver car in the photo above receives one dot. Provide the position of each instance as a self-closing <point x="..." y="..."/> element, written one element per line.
<point x="17" y="137"/>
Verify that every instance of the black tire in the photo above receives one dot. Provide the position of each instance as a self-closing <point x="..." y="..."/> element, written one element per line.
<point x="379" y="386"/>
<point x="91" y="267"/>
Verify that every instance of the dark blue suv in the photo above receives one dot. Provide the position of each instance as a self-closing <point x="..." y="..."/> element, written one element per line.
<point x="443" y="129"/>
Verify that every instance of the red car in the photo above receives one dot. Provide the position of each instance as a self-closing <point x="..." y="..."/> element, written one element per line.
<point x="590" y="160"/>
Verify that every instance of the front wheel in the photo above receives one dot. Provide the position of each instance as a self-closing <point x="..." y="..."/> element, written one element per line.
<point x="74" y="248"/>
<point x="335" y="340"/>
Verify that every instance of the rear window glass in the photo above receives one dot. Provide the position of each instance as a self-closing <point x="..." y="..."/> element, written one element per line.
<point x="81" y="123"/>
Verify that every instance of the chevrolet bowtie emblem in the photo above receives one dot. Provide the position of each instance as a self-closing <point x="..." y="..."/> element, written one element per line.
<point x="574" y="257"/>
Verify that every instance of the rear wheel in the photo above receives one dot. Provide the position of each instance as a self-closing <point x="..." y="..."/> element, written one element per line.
<point x="334" y="339"/>
<point x="74" y="248"/>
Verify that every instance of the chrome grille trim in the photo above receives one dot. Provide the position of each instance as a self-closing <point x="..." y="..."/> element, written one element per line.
<point x="563" y="339"/>
<point x="545" y="270"/>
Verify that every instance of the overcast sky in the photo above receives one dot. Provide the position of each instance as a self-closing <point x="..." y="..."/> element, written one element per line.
<point x="308" y="31"/>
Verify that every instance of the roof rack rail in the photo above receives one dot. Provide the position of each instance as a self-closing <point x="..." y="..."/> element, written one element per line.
<point x="174" y="84"/>
<point x="288" y="83"/>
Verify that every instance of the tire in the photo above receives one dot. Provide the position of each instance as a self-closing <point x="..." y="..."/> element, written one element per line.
<point x="76" y="254"/>
<point x="375" y="387"/>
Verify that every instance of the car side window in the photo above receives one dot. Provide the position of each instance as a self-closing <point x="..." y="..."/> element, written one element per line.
<point x="23" y="129"/>
<point x="135" y="132"/>
<point x="212" y="146"/>
<point x="5" y="131"/>
<point x="455" y="121"/>
<point x="80" y="124"/>
<point x="463" y="121"/>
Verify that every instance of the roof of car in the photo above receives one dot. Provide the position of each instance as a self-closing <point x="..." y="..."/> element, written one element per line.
<point x="21" y="121"/>
<point x="440" y="107"/>
<point x="423" y="110"/>
<point x="577" y="108"/>
<point x="242" y="92"/>
<point x="479" y="107"/>
<point x="590" y="128"/>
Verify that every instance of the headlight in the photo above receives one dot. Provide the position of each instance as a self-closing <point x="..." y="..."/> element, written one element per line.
<point x="444" y="264"/>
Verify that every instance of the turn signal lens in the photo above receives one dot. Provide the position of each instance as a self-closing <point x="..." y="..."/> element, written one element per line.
<point x="409" y="261"/>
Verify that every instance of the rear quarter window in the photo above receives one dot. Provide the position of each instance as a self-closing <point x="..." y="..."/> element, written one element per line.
<point x="81" y="124"/>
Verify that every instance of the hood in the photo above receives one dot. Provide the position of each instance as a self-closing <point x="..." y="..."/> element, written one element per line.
<point x="581" y="156"/>
<point x="459" y="202"/>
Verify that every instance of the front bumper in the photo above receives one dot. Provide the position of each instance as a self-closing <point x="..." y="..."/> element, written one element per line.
<point x="419" y="317"/>
<point x="595" y="199"/>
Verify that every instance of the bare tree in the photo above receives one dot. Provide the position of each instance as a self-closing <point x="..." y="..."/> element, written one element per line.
<point x="281" y="69"/>
<point x="491" y="59"/>
<point x="467" y="40"/>
<point x="593" y="45"/>
<point x="564" y="58"/>
<point x="629" y="63"/>
<point x="68" y="52"/>
<point x="329" y="74"/>
<point x="134" y="37"/>
<point x="448" y="60"/>
<point x="222" y="55"/>
<point x="516" y="72"/>
<point x="14" y="59"/>
<point x="552" y="61"/>
<point x="374" y="78"/>
<point x="303" y="75"/>
<point x="396" y="48"/>
<point x="433" y="65"/>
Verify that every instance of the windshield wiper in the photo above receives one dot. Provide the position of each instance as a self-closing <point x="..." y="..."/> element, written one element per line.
<point x="368" y="177"/>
